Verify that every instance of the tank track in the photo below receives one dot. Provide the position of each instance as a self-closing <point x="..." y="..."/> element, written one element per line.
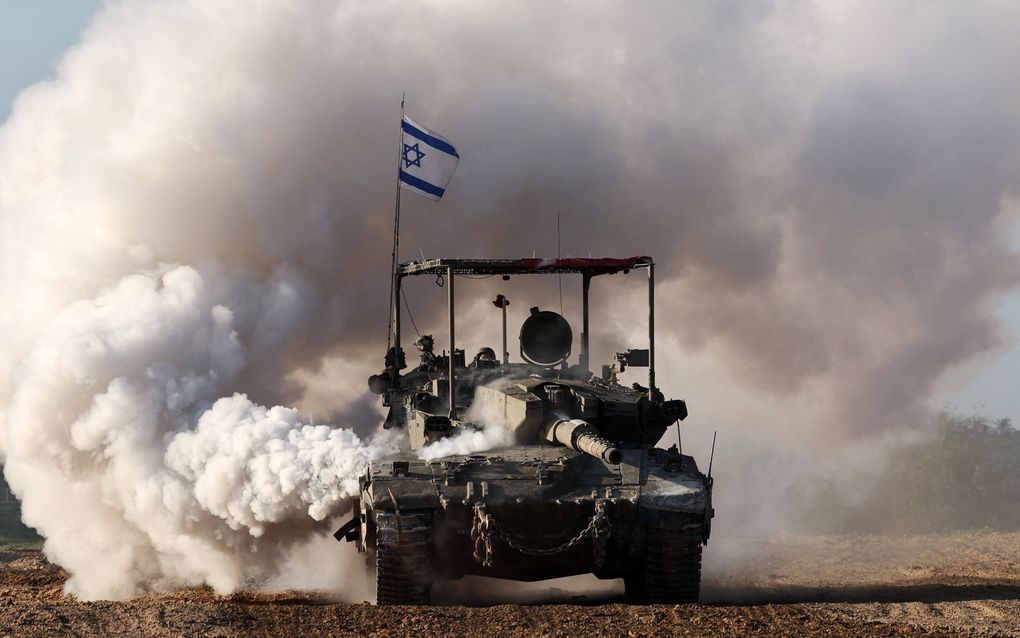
<point x="671" y="572"/>
<point x="403" y="559"/>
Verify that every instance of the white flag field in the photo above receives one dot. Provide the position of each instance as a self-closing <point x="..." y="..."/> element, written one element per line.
<point x="427" y="160"/>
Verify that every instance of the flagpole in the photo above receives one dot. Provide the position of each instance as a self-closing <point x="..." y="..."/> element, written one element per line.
<point x="393" y="331"/>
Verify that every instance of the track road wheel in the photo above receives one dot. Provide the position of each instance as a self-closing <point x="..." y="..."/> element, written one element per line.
<point x="403" y="559"/>
<point x="671" y="572"/>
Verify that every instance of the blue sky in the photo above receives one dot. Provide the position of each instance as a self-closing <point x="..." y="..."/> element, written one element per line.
<point x="35" y="33"/>
<point x="995" y="390"/>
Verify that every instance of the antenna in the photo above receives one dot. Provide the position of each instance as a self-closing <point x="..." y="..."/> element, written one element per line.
<point x="393" y="329"/>
<point x="559" y="277"/>
<point x="712" y="455"/>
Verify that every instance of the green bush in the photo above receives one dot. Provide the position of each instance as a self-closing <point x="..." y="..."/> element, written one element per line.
<point x="13" y="533"/>
<point x="966" y="476"/>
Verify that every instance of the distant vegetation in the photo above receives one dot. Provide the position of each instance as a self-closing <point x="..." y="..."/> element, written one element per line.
<point x="13" y="533"/>
<point x="966" y="476"/>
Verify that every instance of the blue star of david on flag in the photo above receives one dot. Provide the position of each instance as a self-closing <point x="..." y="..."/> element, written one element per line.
<point x="427" y="160"/>
<point x="408" y="162"/>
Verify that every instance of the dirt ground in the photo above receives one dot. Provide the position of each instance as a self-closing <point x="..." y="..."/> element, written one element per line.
<point x="961" y="584"/>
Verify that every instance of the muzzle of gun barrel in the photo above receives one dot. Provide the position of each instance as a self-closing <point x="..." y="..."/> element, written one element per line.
<point x="583" y="437"/>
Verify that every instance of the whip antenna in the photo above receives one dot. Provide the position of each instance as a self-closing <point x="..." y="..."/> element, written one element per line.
<point x="394" y="319"/>
<point x="559" y="277"/>
<point x="712" y="455"/>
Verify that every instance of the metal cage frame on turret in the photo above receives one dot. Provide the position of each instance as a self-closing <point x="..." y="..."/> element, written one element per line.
<point x="586" y="267"/>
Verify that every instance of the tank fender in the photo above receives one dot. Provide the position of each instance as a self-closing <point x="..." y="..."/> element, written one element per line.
<point x="405" y="494"/>
<point x="349" y="531"/>
<point x="677" y="494"/>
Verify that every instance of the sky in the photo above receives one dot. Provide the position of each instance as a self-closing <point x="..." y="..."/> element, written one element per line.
<point x="993" y="392"/>
<point x="33" y="36"/>
<point x="35" y="33"/>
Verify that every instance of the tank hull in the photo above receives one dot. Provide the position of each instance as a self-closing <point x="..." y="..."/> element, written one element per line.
<point x="534" y="512"/>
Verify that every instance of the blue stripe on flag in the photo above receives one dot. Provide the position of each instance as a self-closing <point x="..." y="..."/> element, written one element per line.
<point x="431" y="140"/>
<point x="421" y="184"/>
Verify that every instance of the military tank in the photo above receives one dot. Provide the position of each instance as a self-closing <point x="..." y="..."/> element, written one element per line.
<point x="580" y="487"/>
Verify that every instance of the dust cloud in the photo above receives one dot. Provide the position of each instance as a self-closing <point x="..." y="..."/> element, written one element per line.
<point x="195" y="220"/>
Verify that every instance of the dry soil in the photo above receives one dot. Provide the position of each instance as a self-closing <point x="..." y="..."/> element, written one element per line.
<point x="948" y="585"/>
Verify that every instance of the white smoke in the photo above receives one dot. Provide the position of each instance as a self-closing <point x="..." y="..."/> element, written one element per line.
<point x="195" y="216"/>
<point x="165" y="283"/>
<point x="468" y="441"/>
<point x="134" y="467"/>
<point x="493" y="432"/>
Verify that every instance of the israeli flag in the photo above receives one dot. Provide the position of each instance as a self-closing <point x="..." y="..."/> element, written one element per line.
<point x="427" y="161"/>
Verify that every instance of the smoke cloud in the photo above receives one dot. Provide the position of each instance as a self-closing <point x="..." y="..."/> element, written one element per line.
<point x="493" y="434"/>
<point x="138" y="464"/>
<point x="195" y="219"/>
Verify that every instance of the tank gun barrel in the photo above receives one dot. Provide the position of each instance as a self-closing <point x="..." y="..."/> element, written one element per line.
<point x="583" y="437"/>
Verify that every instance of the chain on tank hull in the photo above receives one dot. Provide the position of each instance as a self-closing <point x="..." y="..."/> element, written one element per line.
<point x="535" y="513"/>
